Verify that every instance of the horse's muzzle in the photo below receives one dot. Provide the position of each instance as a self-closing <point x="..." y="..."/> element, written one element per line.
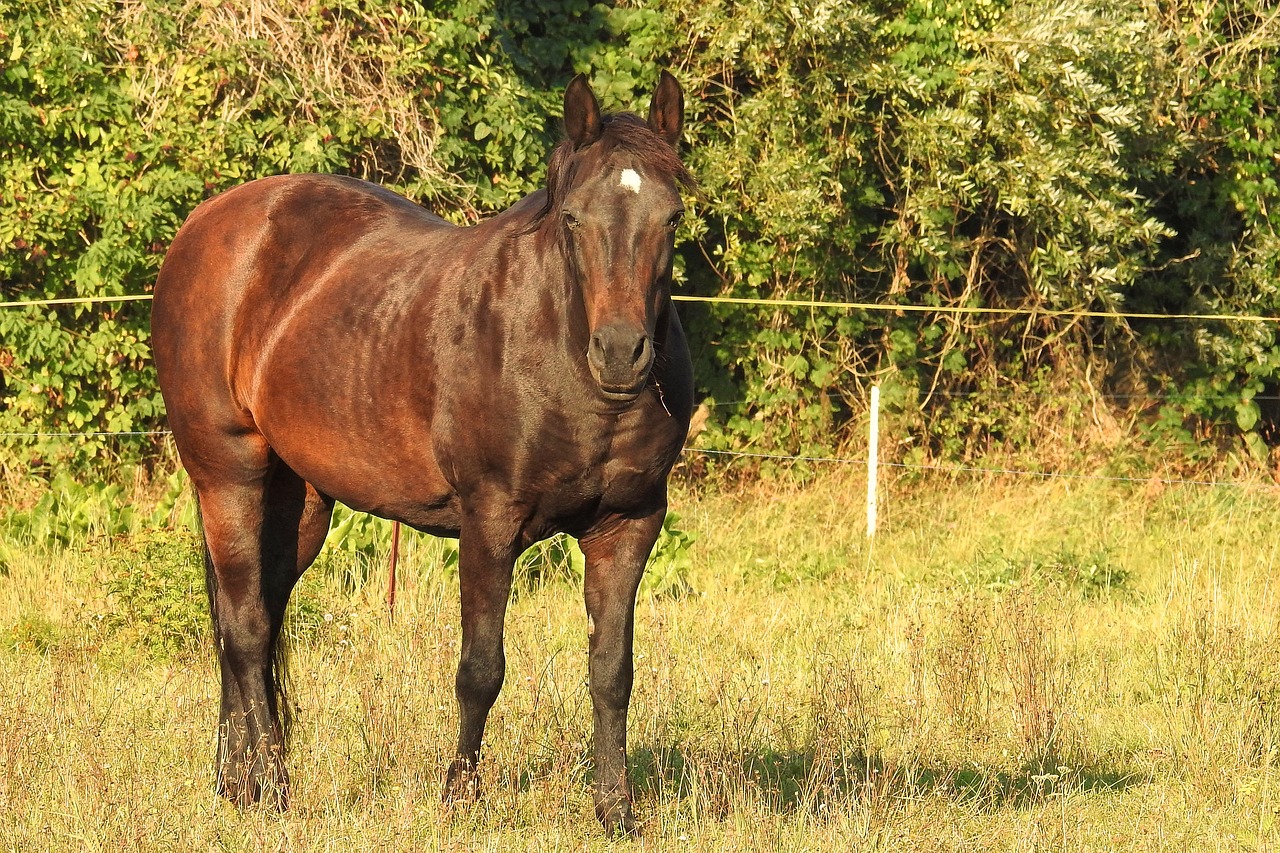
<point x="620" y="359"/>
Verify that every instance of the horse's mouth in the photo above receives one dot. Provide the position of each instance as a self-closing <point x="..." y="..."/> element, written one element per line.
<point x="623" y="393"/>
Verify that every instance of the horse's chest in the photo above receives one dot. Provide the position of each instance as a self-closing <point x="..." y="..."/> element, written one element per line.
<point x="611" y="473"/>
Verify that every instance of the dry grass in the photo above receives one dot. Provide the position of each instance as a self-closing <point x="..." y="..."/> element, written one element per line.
<point x="968" y="683"/>
<point x="324" y="58"/>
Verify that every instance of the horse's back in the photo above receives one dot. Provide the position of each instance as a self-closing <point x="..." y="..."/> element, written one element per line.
<point x="265" y="232"/>
<point x="249" y="255"/>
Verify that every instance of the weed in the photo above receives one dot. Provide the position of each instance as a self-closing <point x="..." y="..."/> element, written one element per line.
<point x="891" y="709"/>
<point x="70" y="512"/>
<point x="156" y="597"/>
<point x="358" y="543"/>
<point x="551" y="561"/>
<point x="846" y="717"/>
<point x="381" y="732"/>
<point x="560" y="560"/>
<point x="667" y="573"/>
<point x="1034" y="666"/>
<point x="1090" y="576"/>
<point x="32" y="633"/>
<point x="176" y="509"/>
<point x="1220" y="684"/>
<point x="960" y="658"/>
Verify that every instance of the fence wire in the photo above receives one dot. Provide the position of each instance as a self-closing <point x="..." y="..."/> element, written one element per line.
<point x="970" y="469"/>
<point x="762" y="302"/>
<point x="787" y="304"/>
<point x="781" y="457"/>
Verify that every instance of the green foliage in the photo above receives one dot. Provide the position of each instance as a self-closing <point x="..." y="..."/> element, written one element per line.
<point x="1011" y="154"/>
<point x="67" y="513"/>
<point x="973" y="155"/>
<point x="666" y="575"/>
<point x="1089" y="575"/>
<point x="156" y="594"/>
<point x="176" y="509"/>
<point x="357" y="542"/>
<point x="1223" y="202"/>
<point x="32" y="633"/>
<point x="115" y="122"/>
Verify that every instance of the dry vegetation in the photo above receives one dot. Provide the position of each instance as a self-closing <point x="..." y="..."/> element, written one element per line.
<point x="1012" y="666"/>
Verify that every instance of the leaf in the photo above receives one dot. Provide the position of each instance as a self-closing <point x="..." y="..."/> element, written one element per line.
<point x="1247" y="415"/>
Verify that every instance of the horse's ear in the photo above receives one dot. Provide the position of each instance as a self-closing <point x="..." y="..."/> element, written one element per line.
<point x="666" y="112"/>
<point x="581" y="112"/>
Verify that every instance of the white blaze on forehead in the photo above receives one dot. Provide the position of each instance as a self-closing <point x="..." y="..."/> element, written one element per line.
<point x="630" y="180"/>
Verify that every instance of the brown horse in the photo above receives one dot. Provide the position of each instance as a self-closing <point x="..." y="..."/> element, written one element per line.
<point x="318" y="338"/>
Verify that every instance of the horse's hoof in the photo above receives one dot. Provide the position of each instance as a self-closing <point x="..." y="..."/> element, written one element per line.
<point x="462" y="785"/>
<point x="616" y="817"/>
<point x="246" y="789"/>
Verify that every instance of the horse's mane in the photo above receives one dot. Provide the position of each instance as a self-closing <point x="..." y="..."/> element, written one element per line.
<point x="620" y="130"/>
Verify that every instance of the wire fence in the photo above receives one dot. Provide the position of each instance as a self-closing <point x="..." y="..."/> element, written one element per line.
<point x="972" y="469"/>
<point x="799" y="303"/>
<point x="734" y="455"/>
<point x="76" y="300"/>
<point x="785" y="458"/>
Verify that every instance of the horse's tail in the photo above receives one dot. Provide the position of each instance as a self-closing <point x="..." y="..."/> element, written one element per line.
<point x="280" y="647"/>
<point x="210" y="576"/>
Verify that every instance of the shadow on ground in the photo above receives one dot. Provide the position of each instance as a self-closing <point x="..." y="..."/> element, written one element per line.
<point x="791" y="781"/>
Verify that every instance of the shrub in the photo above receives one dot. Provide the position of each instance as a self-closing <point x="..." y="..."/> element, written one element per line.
<point x="156" y="597"/>
<point x="1011" y="155"/>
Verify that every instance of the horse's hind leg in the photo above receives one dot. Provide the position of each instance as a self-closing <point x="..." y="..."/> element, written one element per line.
<point x="261" y="530"/>
<point x="250" y="760"/>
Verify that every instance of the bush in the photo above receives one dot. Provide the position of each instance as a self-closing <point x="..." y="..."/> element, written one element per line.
<point x="994" y="154"/>
<point x="156" y="595"/>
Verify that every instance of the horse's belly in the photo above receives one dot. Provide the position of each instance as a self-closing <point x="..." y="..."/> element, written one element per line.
<point x="392" y="474"/>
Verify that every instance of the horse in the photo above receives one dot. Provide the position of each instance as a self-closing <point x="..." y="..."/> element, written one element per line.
<point x="320" y="338"/>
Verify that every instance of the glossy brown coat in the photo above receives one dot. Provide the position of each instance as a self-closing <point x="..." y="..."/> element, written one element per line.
<point x="318" y="338"/>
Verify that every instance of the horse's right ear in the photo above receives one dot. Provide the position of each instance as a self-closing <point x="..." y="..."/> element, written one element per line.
<point x="581" y="112"/>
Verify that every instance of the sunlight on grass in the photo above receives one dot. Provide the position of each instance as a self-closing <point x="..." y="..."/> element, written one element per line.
<point x="1007" y="667"/>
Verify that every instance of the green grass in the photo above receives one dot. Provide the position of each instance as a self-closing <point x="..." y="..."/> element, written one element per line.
<point x="1010" y="666"/>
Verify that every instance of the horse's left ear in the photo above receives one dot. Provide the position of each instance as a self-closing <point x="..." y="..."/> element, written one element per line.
<point x="666" y="112"/>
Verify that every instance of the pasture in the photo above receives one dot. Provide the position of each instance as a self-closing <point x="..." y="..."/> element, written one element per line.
<point x="1013" y="665"/>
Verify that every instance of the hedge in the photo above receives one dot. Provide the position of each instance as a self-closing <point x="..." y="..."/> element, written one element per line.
<point x="1022" y="154"/>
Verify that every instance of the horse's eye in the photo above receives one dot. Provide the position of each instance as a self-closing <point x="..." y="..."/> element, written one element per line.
<point x="572" y="221"/>
<point x="675" y="219"/>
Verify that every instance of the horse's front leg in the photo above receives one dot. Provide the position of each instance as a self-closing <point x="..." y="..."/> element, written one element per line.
<point x="616" y="554"/>
<point x="486" y="557"/>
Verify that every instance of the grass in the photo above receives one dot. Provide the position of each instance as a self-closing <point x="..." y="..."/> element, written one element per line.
<point x="1010" y="666"/>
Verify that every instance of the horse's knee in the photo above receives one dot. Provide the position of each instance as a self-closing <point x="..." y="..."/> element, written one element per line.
<point x="480" y="677"/>
<point x="611" y="672"/>
<point x="612" y="691"/>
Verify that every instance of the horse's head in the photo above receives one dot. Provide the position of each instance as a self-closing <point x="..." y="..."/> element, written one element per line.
<point x="613" y="191"/>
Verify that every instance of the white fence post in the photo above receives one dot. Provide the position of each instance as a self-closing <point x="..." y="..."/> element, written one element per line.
<point x="873" y="456"/>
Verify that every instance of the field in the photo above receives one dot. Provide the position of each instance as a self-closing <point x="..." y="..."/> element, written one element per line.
<point x="1013" y="665"/>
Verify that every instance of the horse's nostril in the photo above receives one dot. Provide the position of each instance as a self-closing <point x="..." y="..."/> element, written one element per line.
<point x="596" y="349"/>
<point x="619" y="355"/>
<point x="637" y="355"/>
